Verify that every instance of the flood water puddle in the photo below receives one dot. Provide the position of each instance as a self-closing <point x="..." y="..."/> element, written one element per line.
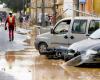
<point x="36" y="67"/>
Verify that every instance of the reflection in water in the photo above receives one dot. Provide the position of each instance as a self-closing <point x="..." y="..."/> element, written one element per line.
<point x="10" y="58"/>
<point x="41" y="68"/>
<point x="52" y="70"/>
<point x="16" y="67"/>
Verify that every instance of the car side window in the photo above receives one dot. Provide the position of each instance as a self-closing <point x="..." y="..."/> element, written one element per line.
<point x="94" y="25"/>
<point x="79" y="26"/>
<point x="62" y="27"/>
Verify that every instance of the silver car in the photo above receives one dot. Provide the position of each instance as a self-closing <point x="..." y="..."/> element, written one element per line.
<point x="66" y="32"/>
<point x="90" y="56"/>
<point x="87" y="48"/>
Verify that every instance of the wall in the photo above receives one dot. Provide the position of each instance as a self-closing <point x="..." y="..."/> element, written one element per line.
<point x="96" y="7"/>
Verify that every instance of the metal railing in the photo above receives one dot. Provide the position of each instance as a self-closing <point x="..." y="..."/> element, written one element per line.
<point x="79" y="12"/>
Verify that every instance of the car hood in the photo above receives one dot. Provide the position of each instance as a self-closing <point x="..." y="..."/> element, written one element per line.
<point x="84" y="44"/>
<point x="47" y="34"/>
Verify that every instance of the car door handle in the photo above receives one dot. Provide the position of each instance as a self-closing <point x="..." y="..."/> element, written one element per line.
<point x="72" y="37"/>
<point x="66" y="37"/>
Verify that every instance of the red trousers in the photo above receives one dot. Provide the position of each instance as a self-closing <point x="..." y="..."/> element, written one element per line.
<point x="11" y="32"/>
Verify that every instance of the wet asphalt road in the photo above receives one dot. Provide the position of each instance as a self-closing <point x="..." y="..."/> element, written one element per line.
<point x="29" y="65"/>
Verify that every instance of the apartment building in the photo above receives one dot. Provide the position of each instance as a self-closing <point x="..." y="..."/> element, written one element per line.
<point x="96" y="7"/>
<point x="90" y="6"/>
<point x="86" y="6"/>
<point x="37" y="6"/>
<point x="59" y="8"/>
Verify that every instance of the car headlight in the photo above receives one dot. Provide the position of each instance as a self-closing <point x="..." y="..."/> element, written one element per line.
<point x="88" y="54"/>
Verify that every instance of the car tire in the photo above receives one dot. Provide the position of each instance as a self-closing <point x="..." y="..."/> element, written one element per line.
<point x="42" y="48"/>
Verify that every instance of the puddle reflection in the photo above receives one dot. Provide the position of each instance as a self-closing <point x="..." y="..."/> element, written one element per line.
<point x="18" y="68"/>
<point x="10" y="58"/>
<point x="41" y="68"/>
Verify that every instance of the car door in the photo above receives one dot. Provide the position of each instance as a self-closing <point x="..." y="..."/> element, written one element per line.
<point x="60" y="36"/>
<point x="78" y="30"/>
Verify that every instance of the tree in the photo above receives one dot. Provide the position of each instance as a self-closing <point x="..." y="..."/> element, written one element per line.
<point x="15" y="5"/>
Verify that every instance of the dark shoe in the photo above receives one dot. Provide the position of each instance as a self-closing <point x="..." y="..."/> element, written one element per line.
<point x="10" y="40"/>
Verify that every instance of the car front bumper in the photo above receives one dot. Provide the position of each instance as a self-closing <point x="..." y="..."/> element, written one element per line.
<point x="91" y="59"/>
<point x="36" y="44"/>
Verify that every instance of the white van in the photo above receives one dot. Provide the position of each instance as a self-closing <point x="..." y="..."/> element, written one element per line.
<point x="66" y="32"/>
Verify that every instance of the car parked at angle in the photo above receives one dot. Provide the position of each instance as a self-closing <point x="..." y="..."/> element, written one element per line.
<point x="66" y="32"/>
<point x="90" y="56"/>
<point x="84" y="48"/>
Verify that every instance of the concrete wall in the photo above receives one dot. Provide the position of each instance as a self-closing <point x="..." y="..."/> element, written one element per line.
<point x="96" y="7"/>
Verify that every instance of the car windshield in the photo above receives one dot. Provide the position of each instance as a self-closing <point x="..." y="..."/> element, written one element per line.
<point x="96" y="34"/>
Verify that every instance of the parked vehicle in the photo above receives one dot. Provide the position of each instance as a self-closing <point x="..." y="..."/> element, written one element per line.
<point x="93" y="39"/>
<point x="90" y="56"/>
<point x="66" y="32"/>
<point x="88" y="50"/>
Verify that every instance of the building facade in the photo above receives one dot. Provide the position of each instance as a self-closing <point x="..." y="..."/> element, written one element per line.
<point x="37" y="6"/>
<point x="86" y="6"/>
<point x="59" y="8"/>
<point x="96" y="7"/>
<point x="90" y="6"/>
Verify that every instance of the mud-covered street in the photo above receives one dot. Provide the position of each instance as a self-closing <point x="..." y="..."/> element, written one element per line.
<point x="27" y="64"/>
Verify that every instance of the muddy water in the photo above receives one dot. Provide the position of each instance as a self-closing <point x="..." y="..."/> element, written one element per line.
<point x="36" y="67"/>
<point x="29" y="65"/>
<point x="54" y="70"/>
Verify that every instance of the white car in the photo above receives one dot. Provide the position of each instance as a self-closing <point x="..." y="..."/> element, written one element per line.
<point x="66" y="32"/>
<point x="90" y="56"/>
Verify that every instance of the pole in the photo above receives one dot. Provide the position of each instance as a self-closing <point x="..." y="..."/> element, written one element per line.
<point x="43" y="11"/>
<point x="92" y="7"/>
<point x="54" y="12"/>
<point x="36" y="11"/>
<point x="23" y="6"/>
<point x="77" y="7"/>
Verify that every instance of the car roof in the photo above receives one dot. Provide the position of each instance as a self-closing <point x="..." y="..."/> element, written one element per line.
<point x="82" y="17"/>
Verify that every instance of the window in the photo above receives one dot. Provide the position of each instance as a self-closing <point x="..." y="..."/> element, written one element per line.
<point x="79" y="26"/>
<point x="62" y="27"/>
<point x="94" y="25"/>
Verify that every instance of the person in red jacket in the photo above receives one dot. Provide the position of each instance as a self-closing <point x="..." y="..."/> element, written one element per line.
<point x="11" y="25"/>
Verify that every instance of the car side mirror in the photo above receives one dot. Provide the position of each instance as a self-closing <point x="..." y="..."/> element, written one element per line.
<point x="52" y="31"/>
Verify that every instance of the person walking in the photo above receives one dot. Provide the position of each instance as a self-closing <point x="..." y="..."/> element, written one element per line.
<point x="46" y="19"/>
<point x="0" y="20"/>
<point x="21" y="19"/>
<point x="11" y="25"/>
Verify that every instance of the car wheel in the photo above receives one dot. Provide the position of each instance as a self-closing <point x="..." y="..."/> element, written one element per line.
<point x="42" y="48"/>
